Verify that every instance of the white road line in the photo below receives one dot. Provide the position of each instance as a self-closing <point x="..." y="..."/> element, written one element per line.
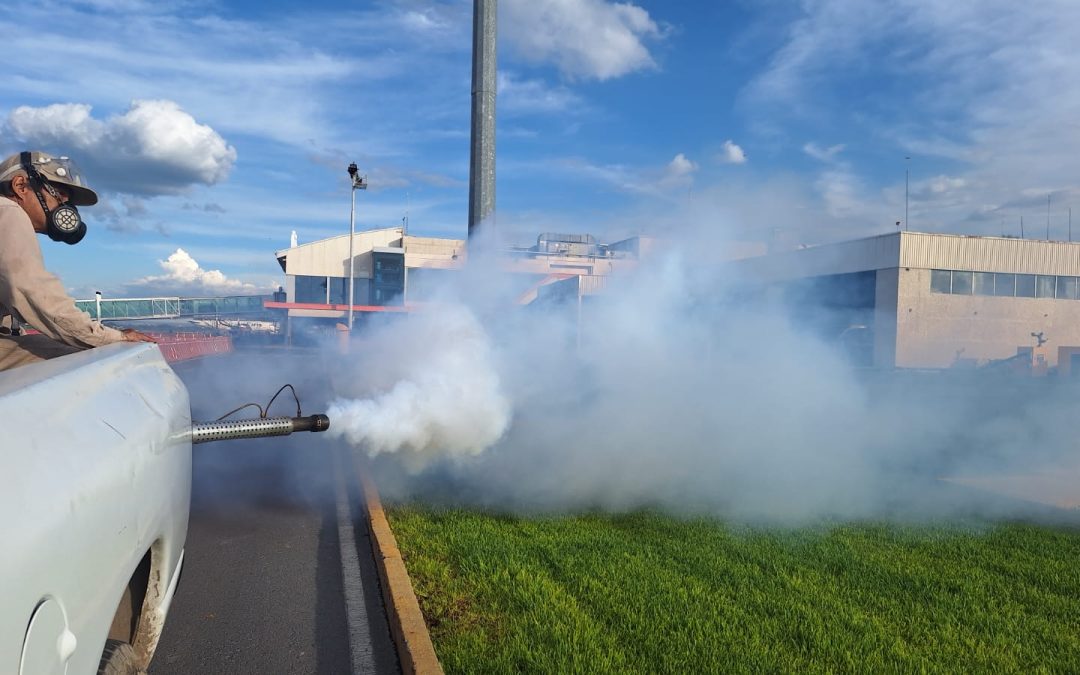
<point x="361" y="649"/>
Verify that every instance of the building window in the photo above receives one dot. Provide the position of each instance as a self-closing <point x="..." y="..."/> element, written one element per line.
<point x="984" y="283"/>
<point x="1066" y="288"/>
<point x="311" y="290"/>
<point x="389" y="272"/>
<point x="339" y="291"/>
<point x="1025" y="285"/>
<point x="961" y="283"/>
<point x="941" y="281"/>
<point x="388" y="278"/>
<point x="1044" y="286"/>
<point x="1005" y="284"/>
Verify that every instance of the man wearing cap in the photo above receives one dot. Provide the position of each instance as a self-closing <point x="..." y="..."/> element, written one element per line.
<point x="38" y="195"/>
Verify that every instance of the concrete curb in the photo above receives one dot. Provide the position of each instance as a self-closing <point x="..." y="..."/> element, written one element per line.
<point x="407" y="626"/>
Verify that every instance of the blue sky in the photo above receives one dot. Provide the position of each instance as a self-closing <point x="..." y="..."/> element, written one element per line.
<point x="219" y="127"/>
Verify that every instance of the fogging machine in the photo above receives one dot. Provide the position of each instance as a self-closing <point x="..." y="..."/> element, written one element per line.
<point x="223" y="429"/>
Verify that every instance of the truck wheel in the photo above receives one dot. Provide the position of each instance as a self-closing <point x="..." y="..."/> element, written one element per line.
<point x="118" y="658"/>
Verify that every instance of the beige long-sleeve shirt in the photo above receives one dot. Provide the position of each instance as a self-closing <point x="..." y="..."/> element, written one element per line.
<point x="33" y="295"/>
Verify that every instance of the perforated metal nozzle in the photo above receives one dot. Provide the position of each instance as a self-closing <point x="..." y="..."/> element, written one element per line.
<point x="259" y="427"/>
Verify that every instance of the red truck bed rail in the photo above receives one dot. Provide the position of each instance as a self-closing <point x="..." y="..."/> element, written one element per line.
<point x="185" y="346"/>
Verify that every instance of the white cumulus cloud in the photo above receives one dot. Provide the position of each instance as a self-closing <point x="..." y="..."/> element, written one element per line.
<point x="153" y="148"/>
<point x="184" y="276"/>
<point x="681" y="166"/>
<point x="588" y="39"/>
<point x="679" y="173"/>
<point x="731" y="153"/>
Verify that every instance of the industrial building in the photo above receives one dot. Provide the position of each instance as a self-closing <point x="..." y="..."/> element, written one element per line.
<point x="393" y="270"/>
<point x="919" y="300"/>
<point x="899" y="300"/>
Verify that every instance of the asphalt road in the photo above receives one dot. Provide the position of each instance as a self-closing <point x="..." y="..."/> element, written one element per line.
<point x="263" y="588"/>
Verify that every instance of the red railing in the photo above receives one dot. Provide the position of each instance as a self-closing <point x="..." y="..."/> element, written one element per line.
<point x="184" y="346"/>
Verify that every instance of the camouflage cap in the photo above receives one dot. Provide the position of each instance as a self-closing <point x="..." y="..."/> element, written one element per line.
<point x="57" y="170"/>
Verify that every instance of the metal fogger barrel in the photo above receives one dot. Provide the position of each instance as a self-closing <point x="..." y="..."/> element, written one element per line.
<point x="227" y="430"/>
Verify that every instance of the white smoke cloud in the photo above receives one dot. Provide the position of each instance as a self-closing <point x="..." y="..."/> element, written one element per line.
<point x="665" y="392"/>
<point x="433" y="390"/>
<point x="184" y="276"/>
<point x="590" y="39"/>
<point x="731" y="153"/>
<point x="153" y="148"/>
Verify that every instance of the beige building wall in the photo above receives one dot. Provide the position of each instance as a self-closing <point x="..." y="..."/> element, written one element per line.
<point x="434" y="253"/>
<point x="935" y="330"/>
<point x="330" y="257"/>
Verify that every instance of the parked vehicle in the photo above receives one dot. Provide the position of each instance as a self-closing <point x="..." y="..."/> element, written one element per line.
<point x="95" y="488"/>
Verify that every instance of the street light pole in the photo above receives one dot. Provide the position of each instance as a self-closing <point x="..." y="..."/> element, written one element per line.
<point x="357" y="183"/>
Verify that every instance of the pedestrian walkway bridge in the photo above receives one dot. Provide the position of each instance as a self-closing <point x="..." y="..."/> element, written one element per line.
<point x="173" y="308"/>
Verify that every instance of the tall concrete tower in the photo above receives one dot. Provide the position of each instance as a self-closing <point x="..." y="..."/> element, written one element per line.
<point x="482" y="151"/>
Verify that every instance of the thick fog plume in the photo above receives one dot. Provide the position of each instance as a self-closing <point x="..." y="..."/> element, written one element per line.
<point x="683" y="388"/>
<point x="426" y="386"/>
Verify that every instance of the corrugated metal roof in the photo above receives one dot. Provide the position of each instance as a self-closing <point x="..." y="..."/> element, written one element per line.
<point x="920" y="250"/>
<point x="989" y="254"/>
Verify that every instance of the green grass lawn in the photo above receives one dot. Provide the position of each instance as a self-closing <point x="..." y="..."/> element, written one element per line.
<point x="648" y="593"/>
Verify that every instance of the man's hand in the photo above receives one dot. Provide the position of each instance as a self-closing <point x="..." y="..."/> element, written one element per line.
<point x="132" y="335"/>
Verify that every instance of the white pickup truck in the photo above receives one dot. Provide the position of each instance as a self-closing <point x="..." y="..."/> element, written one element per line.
<point x="95" y="487"/>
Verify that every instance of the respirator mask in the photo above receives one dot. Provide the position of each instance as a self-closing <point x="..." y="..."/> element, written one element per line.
<point x="64" y="222"/>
